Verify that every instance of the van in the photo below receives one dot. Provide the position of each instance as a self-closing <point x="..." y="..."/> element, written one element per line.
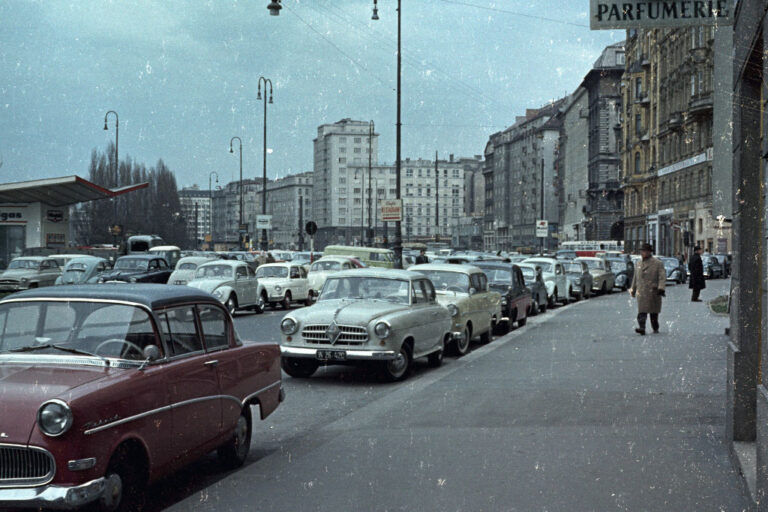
<point x="142" y="243"/>
<point x="371" y="256"/>
<point x="171" y="253"/>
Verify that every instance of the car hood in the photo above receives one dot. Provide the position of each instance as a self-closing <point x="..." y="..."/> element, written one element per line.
<point x="181" y="275"/>
<point x="272" y="281"/>
<point x="73" y="277"/>
<point x="445" y="298"/>
<point x="16" y="274"/>
<point x="121" y="274"/>
<point x="347" y="312"/>
<point x="208" y="285"/>
<point x="501" y="288"/>
<point x="25" y="386"/>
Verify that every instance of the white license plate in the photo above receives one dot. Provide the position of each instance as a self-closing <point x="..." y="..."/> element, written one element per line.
<point x="331" y="355"/>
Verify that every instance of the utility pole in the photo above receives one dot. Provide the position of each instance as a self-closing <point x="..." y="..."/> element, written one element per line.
<point x="301" y="223"/>
<point x="437" y="201"/>
<point x="197" y="243"/>
<point x="370" y="156"/>
<point x="398" y="249"/>
<point x="541" y="240"/>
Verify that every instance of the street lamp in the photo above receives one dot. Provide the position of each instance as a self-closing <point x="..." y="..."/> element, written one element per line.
<point x="117" y="165"/>
<point x="274" y="7"/>
<point x="210" y="212"/>
<point x="370" y="156"/>
<point x="240" y="186"/>
<point x="266" y="81"/>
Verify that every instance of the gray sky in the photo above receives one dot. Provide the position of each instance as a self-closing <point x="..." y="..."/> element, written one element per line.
<point x="182" y="76"/>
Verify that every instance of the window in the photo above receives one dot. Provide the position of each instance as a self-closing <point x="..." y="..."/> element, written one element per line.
<point x="638" y="88"/>
<point x="693" y="85"/>
<point x="357" y="140"/>
<point x="409" y="173"/>
<point x="357" y="150"/>
<point x="638" y="124"/>
<point x="419" y="293"/>
<point x="342" y="160"/>
<point x="342" y="150"/>
<point x="637" y="163"/>
<point x="241" y="273"/>
<point x="213" y="321"/>
<point x="342" y="139"/>
<point x="620" y="58"/>
<point x="179" y="330"/>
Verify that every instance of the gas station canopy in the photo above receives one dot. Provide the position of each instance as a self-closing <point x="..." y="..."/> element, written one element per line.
<point x="60" y="191"/>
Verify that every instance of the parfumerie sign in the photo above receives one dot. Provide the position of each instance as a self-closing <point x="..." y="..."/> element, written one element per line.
<point x="610" y="14"/>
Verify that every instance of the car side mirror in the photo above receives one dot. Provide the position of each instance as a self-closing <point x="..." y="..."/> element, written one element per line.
<point x="151" y="353"/>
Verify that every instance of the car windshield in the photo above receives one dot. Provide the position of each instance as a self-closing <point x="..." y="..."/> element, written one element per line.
<point x="529" y="275"/>
<point x="594" y="264"/>
<point x="76" y="267"/>
<point x="214" y="271"/>
<point x="574" y="268"/>
<point x="393" y="290"/>
<point x="545" y="267"/>
<point x="499" y="276"/>
<point x="187" y="266"/>
<point x="267" y="272"/>
<point x="320" y="266"/>
<point x="132" y="264"/>
<point x="445" y="280"/>
<point x="618" y="266"/>
<point x="68" y="328"/>
<point x="670" y="262"/>
<point x="26" y="264"/>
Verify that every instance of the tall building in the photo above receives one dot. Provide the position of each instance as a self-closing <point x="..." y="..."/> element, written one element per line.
<point x="196" y="209"/>
<point x="574" y="163"/>
<point x="337" y="147"/>
<point x="521" y="181"/>
<point x="667" y="146"/>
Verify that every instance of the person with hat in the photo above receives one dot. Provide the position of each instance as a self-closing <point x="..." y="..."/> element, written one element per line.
<point x="648" y="286"/>
<point x="697" y="282"/>
<point x="422" y="257"/>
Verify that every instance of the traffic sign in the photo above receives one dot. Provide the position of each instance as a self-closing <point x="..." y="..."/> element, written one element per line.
<point x="243" y="228"/>
<point x="311" y="228"/>
<point x="263" y="222"/>
<point x="392" y="210"/>
<point x="116" y="229"/>
<point x="542" y="228"/>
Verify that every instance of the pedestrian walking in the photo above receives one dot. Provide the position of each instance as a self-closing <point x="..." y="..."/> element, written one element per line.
<point x="648" y="286"/>
<point x="422" y="257"/>
<point x="697" y="282"/>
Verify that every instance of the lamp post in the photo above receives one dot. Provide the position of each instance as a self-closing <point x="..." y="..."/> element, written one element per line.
<point x="240" y="187"/>
<point x="372" y="227"/>
<point x="210" y="210"/>
<point x="117" y="164"/>
<point x="266" y="81"/>
<point x="370" y="156"/>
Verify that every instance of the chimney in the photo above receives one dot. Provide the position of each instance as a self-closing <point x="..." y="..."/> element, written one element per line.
<point x="450" y="157"/>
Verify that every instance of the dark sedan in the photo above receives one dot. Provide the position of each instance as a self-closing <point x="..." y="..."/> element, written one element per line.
<point x="535" y="284"/>
<point x="138" y="268"/>
<point x="712" y="268"/>
<point x="516" y="300"/>
<point x="623" y="272"/>
<point x="675" y="270"/>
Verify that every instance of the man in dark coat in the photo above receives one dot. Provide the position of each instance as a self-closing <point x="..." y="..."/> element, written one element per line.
<point x="697" y="282"/>
<point x="648" y="284"/>
<point x="422" y="257"/>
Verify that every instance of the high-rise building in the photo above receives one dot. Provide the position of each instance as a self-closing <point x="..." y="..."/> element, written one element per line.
<point x="196" y="210"/>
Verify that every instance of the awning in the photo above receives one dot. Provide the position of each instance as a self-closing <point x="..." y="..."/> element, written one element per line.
<point x="60" y="191"/>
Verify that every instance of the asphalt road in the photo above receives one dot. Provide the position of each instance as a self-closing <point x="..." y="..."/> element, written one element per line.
<point x="572" y="412"/>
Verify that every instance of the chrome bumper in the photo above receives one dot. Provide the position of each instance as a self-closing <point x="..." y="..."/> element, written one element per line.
<point x="457" y="336"/>
<point x="352" y="355"/>
<point x="53" y="497"/>
<point x="11" y="288"/>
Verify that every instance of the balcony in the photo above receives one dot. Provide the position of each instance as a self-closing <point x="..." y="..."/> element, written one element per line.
<point x="675" y="120"/>
<point x="700" y="105"/>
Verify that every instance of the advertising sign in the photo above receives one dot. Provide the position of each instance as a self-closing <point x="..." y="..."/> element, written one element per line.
<point x="612" y="14"/>
<point x="263" y="222"/>
<point x="392" y="210"/>
<point x="542" y="228"/>
<point x="54" y="215"/>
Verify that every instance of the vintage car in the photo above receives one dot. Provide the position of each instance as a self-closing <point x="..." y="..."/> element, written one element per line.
<point x="324" y="267"/>
<point x="623" y="272"/>
<point x="579" y="279"/>
<point x="283" y="283"/>
<point x="553" y="272"/>
<point x="463" y="289"/>
<point x="185" y="269"/>
<point x="83" y="269"/>
<point x="29" y="272"/>
<point x="138" y="268"/>
<point x="63" y="259"/>
<point x="107" y="388"/>
<point x="170" y="253"/>
<point x="534" y="281"/>
<point x="674" y="268"/>
<point x="516" y="300"/>
<point x="712" y="267"/>
<point x="389" y="317"/>
<point x="603" y="280"/>
<point x="233" y="282"/>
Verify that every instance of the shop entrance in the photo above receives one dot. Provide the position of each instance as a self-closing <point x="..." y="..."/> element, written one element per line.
<point x="12" y="243"/>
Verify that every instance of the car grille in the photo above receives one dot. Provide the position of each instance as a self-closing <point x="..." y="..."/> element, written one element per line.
<point x="9" y="281"/>
<point x="350" y="335"/>
<point x="25" y="466"/>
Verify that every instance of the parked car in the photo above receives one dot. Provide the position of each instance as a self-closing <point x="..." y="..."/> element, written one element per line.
<point x="623" y="272"/>
<point x="566" y="254"/>
<point x="712" y="267"/>
<point x="83" y="270"/>
<point x="284" y="284"/>
<point x="579" y="279"/>
<point x="463" y="289"/>
<point x="388" y="317"/>
<point x="603" y="279"/>
<point x="138" y="268"/>
<point x="553" y="272"/>
<point x="371" y="256"/>
<point x="675" y="270"/>
<point x="170" y="253"/>
<point x="324" y="267"/>
<point x="725" y="265"/>
<point x="63" y="259"/>
<point x="516" y="300"/>
<point x="517" y="258"/>
<point x="186" y="268"/>
<point x="142" y="243"/>
<point x="251" y="259"/>
<point x="534" y="281"/>
<point x="29" y="272"/>
<point x="130" y="383"/>
<point x="232" y="282"/>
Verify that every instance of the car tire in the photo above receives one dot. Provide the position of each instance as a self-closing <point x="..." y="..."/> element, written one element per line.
<point x="435" y="359"/>
<point x="522" y="321"/>
<point x="235" y="451"/>
<point x="543" y="306"/>
<point x="462" y="346"/>
<point x="551" y="300"/>
<point x="286" y="302"/>
<point x="485" y="338"/>
<point x="299" y="368"/>
<point x="398" y="369"/>
<point x="232" y="304"/>
<point x="604" y="288"/>
<point x="126" y="490"/>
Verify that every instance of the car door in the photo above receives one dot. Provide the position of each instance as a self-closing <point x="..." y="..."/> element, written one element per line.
<point x="163" y="271"/>
<point x="480" y="304"/>
<point x="252" y="286"/>
<point x="303" y="282"/>
<point x="561" y="281"/>
<point x="193" y="385"/>
<point x="422" y="311"/>
<point x="241" y="284"/>
<point x="294" y="283"/>
<point x="49" y="271"/>
<point x="151" y="276"/>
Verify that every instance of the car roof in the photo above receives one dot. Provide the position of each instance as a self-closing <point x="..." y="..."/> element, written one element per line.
<point x="447" y="267"/>
<point x="164" y="248"/>
<point x="280" y="264"/>
<point x="33" y="258"/>
<point x="142" y="256"/>
<point x="150" y="295"/>
<point x="494" y="264"/>
<point x="590" y="258"/>
<point x="384" y="273"/>
<point x="230" y="263"/>
<point x="544" y="259"/>
<point x="339" y="258"/>
<point x="199" y="259"/>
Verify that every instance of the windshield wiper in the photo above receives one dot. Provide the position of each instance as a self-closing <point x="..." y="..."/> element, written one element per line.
<point x="58" y="347"/>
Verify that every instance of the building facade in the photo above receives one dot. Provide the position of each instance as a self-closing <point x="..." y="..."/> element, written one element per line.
<point x="521" y="181"/>
<point x="196" y="208"/>
<point x="574" y="158"/>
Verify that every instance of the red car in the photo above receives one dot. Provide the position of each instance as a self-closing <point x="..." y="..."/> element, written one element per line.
<point x="105" y="388"/>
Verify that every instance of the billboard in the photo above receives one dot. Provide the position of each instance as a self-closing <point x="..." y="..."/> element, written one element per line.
<point x="624" y="14"/>
<point x="392" y="210"/>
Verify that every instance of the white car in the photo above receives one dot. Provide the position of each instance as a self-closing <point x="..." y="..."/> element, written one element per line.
<point x="232" y="282"/>
<point x="555" y="279"/>
<point x="603" y="279"/>
<point x="322" y="268"/>
<point x="186" y="268"/>
<point x="283" y="283"/>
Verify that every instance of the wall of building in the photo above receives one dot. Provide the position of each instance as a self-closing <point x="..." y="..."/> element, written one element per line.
<point x="574" y="153"/>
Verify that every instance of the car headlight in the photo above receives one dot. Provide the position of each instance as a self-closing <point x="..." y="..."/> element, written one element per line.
<point x="288" y="326"/>
<point x="278" y="288"/>
<point x="54" y="418"/>
<point x="132" y="280"/>
<point x="217" y="293"/>
<point x="453" y="310"/>
<point x="101" y="280"/>
<point x="577" y="281"/>
<point x="382" y="330"/>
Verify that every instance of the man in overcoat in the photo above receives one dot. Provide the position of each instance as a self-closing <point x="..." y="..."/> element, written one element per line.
<point x="648" y="286"/>
<point x="697" y="282"/>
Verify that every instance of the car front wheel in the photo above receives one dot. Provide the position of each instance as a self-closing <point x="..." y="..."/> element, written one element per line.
<point x="299" y="368"/>
<point x="232" y="304"/>
<point x="286" y="303"/>
<point x="435" y="359"/>
<point x="397" y="369"/>
<point x="462" y="345"/>
<point x="235" y="451"/>
<point x="125" y="486"/>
